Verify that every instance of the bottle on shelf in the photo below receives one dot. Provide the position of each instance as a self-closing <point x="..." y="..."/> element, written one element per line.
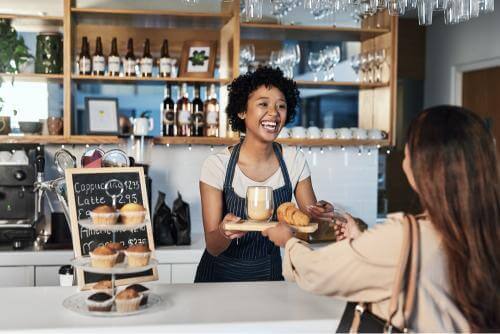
<point x="114" y="60"/>
<point x="84" y="61"/>
<point x="184" y="111"/>
<point x="98" y="62"/>
<point x="198" y="115"/>
<point x="147" y="60"/>
<point x="165" y="60"/>
<point x="211" y="108"/>
<point x="169" y="113"/>
<point x="129" y="61"/>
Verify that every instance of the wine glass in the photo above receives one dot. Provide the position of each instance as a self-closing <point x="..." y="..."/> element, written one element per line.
<point x="380" y="56"/>
<point x="315" y="62"/>
<point x="355" y="63"/>
<point x="259" y="204"/>
<point x="332" y="58"/>
<point x="253" y="9"/>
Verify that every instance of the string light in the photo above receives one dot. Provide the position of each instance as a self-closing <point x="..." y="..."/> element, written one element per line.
<point x="300" y="149"/>
<point x="62" y="146"/>
<point x="38" y="148"/>
<point x="369" y="152"/>
<point x="87" y="145"/>
<point x="310" y="151"/>
<point x="378" y="146"/>
<point x="190" y="147"/>
<point x="168" y="145"/>
<point x="359" y="151"/>
<point x="342" y="148"/>
<point x="388" y="151"/>
<point x="321" y="151"/>
<point x="211" y="148"/>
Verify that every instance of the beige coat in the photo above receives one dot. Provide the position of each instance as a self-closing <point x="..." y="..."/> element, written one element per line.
<point x="364" y="270"/>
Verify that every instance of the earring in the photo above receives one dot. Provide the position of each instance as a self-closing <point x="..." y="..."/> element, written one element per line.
<point x="242" y="115"/>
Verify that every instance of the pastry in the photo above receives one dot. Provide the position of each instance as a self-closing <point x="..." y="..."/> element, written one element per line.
<point x="99" y="302"/>
<point x="103" y="257"/>
<point x="142" y="290"/>
<point x="117" y="246"/>
<point x="281" y="210"/>
<point x="103" y="286"/>
<point x="128" y="300"/>
<point x="290" y="214"/>
<point x="138" y="255"/>
<point x="103" y="215"/>
<point x="132" y="214"/>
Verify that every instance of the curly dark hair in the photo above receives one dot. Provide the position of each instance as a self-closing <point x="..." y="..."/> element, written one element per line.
<point x="244" y="85"/>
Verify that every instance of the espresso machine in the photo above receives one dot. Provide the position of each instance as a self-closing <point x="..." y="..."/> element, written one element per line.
<point x="18" y="200"/>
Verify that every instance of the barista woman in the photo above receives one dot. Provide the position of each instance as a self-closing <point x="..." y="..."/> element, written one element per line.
<point x="260" y="105"/>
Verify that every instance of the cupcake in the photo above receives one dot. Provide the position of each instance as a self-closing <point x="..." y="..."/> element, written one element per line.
<point x="128" y="300"/>
<point x="99" y="302"/>
<point x="117" y="246"/>
<point x="103" y="286"/>
<point x="138" y="255"/>
<point x="132" y="214"/>
<point x="103" y="257"/>
<point x="104" y="215"/>
<point x="142" y="290"/>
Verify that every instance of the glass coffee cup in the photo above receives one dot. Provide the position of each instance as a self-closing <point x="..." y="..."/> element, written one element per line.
<point x="259" y="204"/>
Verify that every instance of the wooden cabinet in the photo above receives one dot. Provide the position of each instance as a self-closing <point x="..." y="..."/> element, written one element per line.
<point x="377" y="101"/>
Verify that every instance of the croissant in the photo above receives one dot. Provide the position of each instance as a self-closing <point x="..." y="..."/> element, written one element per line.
<point x="290" y="214"/>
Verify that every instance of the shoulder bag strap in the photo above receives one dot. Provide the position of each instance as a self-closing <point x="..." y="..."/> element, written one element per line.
<point x="409" y="255"/>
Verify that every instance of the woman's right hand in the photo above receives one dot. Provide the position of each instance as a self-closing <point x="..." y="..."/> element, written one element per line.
<point x="347" y="228"/>
<point x="231" y="218"/>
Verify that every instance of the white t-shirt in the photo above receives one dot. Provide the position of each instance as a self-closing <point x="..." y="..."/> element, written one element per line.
<point x="213" y="171"/>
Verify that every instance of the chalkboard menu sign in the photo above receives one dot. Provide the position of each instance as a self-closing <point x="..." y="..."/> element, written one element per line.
<point x="86" y="191"/>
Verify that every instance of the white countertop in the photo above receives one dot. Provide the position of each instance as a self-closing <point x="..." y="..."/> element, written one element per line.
<point x="209" y="307"/>
<point x="164" y="254"/>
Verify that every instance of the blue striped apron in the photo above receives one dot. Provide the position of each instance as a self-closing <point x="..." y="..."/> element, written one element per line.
<point x="252" y="257"/>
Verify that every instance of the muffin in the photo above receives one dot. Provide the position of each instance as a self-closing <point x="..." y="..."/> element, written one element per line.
<point x="104" y="215"/>
<point x="128" y="300"/>
<point x="138" y="255"/>
<point x="117" y="246"/>
<point x="132" y="214"/>
<point x="103" y="257"/>
<point x="103" y="286"/>
<point x="99" y="302"/>
<point x="142" y="290"/>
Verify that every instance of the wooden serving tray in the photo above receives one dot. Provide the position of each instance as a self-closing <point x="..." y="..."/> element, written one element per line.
<point x="256" y="226"/>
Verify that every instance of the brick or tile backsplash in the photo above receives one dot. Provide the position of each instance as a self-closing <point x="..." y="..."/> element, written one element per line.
<point x="344" y="177"/>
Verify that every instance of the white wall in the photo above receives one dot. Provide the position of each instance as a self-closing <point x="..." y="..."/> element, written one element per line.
<point x="346" y="178"/>
<point x="455" y="45"/>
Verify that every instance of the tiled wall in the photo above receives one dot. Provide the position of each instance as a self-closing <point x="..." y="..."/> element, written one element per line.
<point x="346" y="177"/>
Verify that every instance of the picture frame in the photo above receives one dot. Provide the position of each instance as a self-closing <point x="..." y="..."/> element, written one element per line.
<point x="198" y="59"/>
<point x="101" y="115"/>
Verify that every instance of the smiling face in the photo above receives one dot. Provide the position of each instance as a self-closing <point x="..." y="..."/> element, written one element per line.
<point x="266" y="113"/>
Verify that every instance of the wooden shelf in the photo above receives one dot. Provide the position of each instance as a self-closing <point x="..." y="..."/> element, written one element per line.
<point x="338" y="84"/>
<point x="31" y="17"/>
<point x="113" y="11"/>
<point x="270" y="31"/>
<point x="292" y="142"/>
<point x="146" y="79"/>
<point x="45" y="139"/>
<point x="33" y="76"/>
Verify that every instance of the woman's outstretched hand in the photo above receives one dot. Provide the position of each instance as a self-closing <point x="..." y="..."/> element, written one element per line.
<point x="346" y="228"/>
<point x="321" y="211"/>
<point x="279" y="234"/>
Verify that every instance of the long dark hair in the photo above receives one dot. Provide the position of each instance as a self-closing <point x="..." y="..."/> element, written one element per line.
<point x="453" y="159"/>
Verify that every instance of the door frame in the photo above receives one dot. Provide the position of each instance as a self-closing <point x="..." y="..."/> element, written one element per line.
<point x="457" y="72"/>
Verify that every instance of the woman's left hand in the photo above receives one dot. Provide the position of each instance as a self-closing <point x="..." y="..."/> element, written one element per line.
<point x="279" y="234"/>
<point x="322" y="211"/>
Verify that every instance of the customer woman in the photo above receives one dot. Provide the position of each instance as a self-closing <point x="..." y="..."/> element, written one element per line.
<point x="260" y="105"/>
<point x="450" y="162"/>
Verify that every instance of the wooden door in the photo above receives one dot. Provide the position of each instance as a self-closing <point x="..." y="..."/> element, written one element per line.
<point x="481" y="94"/>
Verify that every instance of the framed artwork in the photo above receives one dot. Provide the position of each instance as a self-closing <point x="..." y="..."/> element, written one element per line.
<point x="102" y="116"/>
<point x="198" y="59"/>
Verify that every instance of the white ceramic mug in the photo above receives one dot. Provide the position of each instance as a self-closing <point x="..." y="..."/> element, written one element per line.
<point x="142" y="126"/>
<point x="376" y="134"/>
<point x="313" y="132"/>
<point x="344" y="133"/>
<point x="298" y="132"/>
<point x="328" y="133"/>
<point x="359" y="133"/>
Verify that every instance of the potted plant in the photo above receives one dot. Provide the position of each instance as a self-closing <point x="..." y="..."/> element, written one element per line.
<point x="13" y="54"/>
